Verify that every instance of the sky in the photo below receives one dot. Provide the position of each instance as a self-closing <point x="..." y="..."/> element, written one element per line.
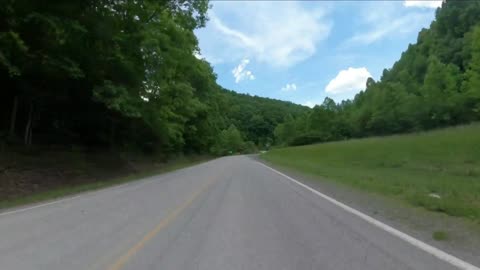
<point x="305" y="51"/>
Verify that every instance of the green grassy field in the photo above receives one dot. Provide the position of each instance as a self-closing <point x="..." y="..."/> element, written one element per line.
<point x="410" y="167"/>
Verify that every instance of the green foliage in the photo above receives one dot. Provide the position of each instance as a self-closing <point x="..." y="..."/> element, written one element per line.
<point x="13" y="49"/>
<point x="124" y="74"/>
<point x="440" y="235"/>
<point x="285" y="131"/>
<point x="229" y="141"/>
<point x="435" y="83"/>
<point x="116" y="98"/>
<point x="120" y="74"/>
<point x="309" y="138"/>
<point x="410" y="167"/>
<point x="471" y="84"/>
<point x="257" y="118"/>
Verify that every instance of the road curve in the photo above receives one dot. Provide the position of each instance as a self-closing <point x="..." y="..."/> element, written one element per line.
<point x="229" y="213"/>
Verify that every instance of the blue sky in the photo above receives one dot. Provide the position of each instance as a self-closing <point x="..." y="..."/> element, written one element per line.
<point x="307" y="50"/>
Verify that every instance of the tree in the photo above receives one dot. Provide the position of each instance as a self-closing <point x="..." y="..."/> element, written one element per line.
<point x="440" y="87"/>
<point x="229" y="141"/>
<point x="286" y="131"/>
<point x="435" y="83"/>
<point x="471" y="84"/>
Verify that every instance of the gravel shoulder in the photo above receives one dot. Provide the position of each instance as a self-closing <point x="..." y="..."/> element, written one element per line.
<point x="462" y="236"/>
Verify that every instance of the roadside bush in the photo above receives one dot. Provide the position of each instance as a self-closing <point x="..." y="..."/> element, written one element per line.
<point x="309" y="138"/>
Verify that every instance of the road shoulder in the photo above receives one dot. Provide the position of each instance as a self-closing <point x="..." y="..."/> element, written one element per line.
<point x="60" y="194"/>
<point x="462" y="236"/>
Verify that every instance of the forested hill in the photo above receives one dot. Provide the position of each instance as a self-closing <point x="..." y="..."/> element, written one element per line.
<point x="121" y="74"/>
<point x="257" y="116"/>
<point x="435" y="83"/>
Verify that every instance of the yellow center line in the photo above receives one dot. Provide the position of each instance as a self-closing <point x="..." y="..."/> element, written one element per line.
<point x="121" y="261"/>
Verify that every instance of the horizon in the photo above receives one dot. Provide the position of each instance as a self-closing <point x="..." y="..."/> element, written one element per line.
<point x="331" y="53"/>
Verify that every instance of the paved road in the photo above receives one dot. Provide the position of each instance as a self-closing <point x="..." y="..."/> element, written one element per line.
<point x="230" y="213"/>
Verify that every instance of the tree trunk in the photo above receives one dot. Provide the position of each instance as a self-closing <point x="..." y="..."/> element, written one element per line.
<point x="112" y="134"/>
<point x="30" y="135"/>
<point x="28" y="127"/>
<point x="13" y="118"/>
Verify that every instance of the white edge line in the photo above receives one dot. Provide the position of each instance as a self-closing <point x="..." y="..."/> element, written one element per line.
<point x="67" y="198"/>
<point x="140" y="181"/>
<point x="38" y="205"/>
<point x="407" y="238"/>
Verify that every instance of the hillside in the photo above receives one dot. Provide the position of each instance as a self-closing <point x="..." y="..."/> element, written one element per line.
<point x="435" y="83"/>
<point x="118" y="75"/>
<point x="92" y="90"/>
<point x="257" y="116"/>
<point x="437" y="170"/>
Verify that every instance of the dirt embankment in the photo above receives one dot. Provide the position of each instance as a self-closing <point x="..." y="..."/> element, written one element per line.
<point x="26" y="172"/>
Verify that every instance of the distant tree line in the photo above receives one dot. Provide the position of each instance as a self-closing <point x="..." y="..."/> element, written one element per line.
<point x="124" y="74"/>
<point x="121" y="74"/>
<point x="435" y="83"/>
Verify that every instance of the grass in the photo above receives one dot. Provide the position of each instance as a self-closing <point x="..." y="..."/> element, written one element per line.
<point x="410" y="168"/>
<point x="440" y="236"/>
<point x="74" y="189"/>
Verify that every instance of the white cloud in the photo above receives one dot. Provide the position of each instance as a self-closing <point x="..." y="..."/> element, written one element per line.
<point x="279" y="34"/>
<point x="383" y="30"/>
<point x="240" y="73"/>
<point x="211" y="60"/>
<point x="197" y="55"/>
<point x="348" y="81"/>
<point x="423" y="3"/>
<point x="289" y="87"/>
<point x="390" y="22"/>
<point x="310" y="104"/>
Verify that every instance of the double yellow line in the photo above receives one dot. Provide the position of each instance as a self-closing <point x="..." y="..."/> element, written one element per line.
<point x="121" y="261"/>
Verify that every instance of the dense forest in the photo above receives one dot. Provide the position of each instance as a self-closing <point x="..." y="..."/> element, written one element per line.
<point x="121" y="75"/>
<point x="435" y="83"/>
<point x="124" y="75"/>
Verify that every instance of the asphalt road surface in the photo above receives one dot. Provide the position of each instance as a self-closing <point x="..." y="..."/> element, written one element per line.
<point x="229" y="213"/>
